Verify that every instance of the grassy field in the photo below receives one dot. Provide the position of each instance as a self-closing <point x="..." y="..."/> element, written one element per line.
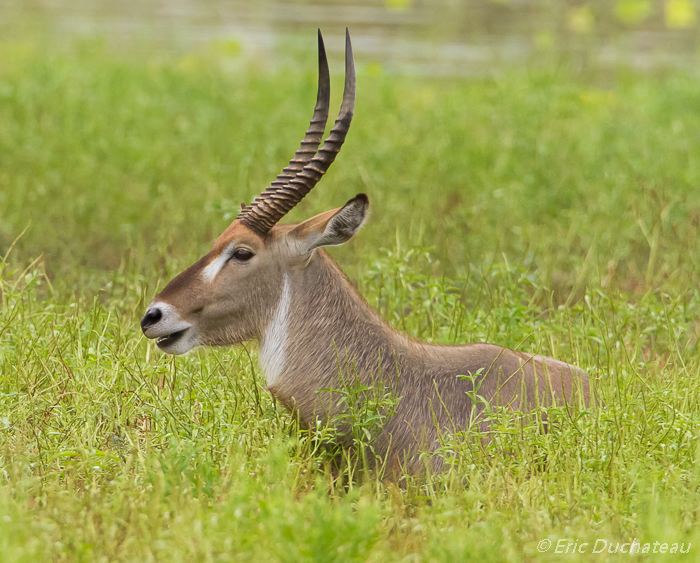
<point x="538" y="210"/>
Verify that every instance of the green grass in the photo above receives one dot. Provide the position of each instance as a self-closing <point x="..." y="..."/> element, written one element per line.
<point x="537" y="210"/>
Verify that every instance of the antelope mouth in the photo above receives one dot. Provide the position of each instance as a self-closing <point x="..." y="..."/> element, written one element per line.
<point x="170" y="339"/>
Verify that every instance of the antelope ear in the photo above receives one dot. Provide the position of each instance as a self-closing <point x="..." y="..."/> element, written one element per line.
<point x="333" y="227"/>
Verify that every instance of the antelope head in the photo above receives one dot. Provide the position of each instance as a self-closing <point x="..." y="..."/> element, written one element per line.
<point x="232" y="293"/>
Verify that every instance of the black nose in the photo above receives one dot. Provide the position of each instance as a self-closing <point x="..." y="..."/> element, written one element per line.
<point x="152" y="316"/>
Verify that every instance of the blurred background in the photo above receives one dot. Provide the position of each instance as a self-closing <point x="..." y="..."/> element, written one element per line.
<point x="557" y="135"/>
<point x="426" y="37"/>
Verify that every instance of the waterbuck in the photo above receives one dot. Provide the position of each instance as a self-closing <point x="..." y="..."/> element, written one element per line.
<point x="275" y="283"/>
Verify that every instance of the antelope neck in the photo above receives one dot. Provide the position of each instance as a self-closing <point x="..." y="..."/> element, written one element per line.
<point x="320" y="325"/>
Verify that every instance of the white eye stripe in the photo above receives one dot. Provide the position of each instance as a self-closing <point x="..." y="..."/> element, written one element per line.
<point x="210" y="272"/>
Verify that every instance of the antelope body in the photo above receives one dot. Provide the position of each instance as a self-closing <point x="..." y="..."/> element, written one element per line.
<point x="276" y="284"/>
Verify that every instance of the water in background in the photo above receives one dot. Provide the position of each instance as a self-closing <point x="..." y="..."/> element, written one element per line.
<point x="431" y="37"/>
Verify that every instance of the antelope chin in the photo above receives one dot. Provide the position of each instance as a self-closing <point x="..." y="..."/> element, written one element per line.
<point x="177" y="343"/>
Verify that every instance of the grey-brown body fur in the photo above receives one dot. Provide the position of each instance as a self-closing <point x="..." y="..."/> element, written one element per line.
<point x="334" y="324"/>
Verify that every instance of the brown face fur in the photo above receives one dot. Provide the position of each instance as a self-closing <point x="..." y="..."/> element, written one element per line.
<point x="226" y="303"/>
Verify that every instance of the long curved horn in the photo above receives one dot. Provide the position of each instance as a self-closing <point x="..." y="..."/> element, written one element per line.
<point x="275" y="202"/>
<point x="314" y="134"/>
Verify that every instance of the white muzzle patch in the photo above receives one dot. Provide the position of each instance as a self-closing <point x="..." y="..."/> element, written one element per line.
<point x="174" y="335"/>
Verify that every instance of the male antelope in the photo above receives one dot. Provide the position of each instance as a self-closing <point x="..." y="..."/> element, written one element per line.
<point x="275" y="283"/>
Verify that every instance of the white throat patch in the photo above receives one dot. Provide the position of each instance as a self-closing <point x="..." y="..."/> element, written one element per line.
<point x="272" y="346"/>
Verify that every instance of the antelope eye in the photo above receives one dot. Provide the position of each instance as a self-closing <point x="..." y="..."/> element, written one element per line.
<point x="242" y="254"/>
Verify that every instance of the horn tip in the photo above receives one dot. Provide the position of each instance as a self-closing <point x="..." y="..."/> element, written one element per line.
<point x="349" y="58"/>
